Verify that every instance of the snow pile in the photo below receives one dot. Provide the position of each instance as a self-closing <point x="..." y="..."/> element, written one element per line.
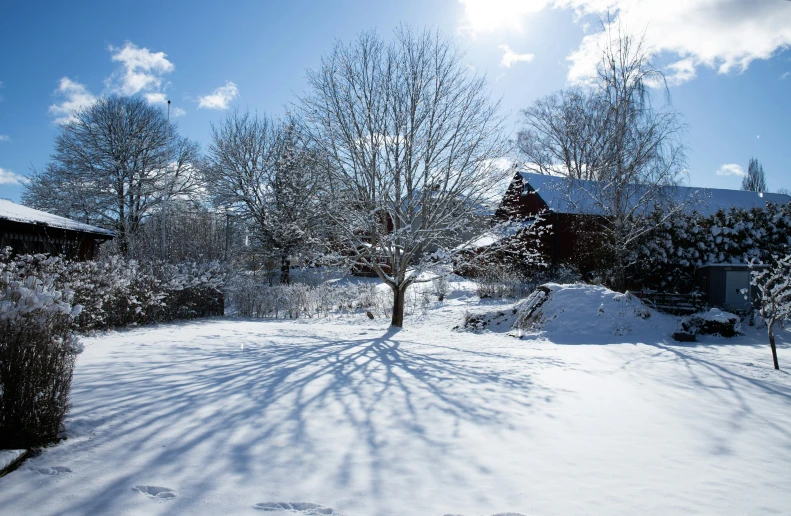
<point x="9" y="457"/>
<point x="585" y="313"/>
<point x="497" y="320"/>
<point x="573" y="313"/>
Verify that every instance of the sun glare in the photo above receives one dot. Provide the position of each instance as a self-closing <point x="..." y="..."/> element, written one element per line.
<point x="490" y="15"/>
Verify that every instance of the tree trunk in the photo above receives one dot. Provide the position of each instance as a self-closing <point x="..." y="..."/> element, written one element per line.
<point x="398" y="308"/>
<point x="285" y="270"/>
<point x="772" y="344"/>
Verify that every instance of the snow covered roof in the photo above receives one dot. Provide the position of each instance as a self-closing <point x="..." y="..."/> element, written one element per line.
<point x="563" y="196"/>
<point x="495" y="235"/>
<point x="18" y="213"/>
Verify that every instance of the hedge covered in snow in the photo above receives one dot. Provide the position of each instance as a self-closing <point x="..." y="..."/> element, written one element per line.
<point x="667" y="258"/>
<point x="37" y="354"/>
<point x="115" y="292"/>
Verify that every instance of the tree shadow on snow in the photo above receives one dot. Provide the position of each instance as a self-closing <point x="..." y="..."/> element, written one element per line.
<point x="285" y="404"/>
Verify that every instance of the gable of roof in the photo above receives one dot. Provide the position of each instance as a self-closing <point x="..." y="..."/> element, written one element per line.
<point x="18" y="213"/>
<point x="580" y="196"/>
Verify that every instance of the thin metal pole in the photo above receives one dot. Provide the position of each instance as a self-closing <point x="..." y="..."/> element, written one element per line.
<point x="167" y="193"/>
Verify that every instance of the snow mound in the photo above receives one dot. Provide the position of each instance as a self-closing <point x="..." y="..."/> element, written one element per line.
<point x="717" y="315"/>
<point x="9" y="457"/>
<point x="496" y="320"/>
<point x="585" y="313"/>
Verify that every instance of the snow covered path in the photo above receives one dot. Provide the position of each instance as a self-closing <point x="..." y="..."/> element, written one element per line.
<point x="234" y="417"/>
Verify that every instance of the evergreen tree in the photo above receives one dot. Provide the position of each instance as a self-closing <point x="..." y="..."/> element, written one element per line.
<point x="754" y="181"/>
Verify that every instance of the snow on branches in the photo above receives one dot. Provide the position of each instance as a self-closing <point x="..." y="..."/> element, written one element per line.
<point x="668" y="257"/>
<point x="116" y="292"/>
<point x="774" y="287"/>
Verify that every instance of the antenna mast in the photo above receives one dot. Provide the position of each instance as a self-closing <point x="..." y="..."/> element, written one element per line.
<point x="167" y="193"/>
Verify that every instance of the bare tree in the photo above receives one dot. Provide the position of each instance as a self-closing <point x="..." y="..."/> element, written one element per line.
<point x="111" y="166"/>
<point x="621" y="153"/>
<point x="565" y="134"/>
<point x="412" y="138"/>
<point x="774" y="287"/>
<point x="266" y="172"/>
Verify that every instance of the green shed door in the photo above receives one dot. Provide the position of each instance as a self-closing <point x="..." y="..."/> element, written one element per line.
<point x="735" y="282"/>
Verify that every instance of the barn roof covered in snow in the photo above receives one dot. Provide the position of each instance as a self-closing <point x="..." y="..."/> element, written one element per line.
<point x="18" y="213"/>
<point x="582" y="197"/>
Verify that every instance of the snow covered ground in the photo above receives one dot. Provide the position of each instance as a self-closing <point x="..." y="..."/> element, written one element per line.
<point x="347" y="417"/>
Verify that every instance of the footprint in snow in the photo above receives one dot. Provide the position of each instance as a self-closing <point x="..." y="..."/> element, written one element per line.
<point x="52" y="470"/>
<point x="305" y="508"/>
<point x="498" y="514"/>
<point x="162" y="493"/>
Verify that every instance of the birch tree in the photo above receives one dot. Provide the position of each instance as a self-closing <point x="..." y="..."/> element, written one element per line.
<point x="412" y="139"/>
<point x="621" y="153"/>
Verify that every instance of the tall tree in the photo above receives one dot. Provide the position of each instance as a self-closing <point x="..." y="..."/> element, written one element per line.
<point x="620" y="152"/>
<point x="754" y="181"/>
<point x="266" y="171"/>
<point x="113" y="166"/>
<point x="412" y="140"/>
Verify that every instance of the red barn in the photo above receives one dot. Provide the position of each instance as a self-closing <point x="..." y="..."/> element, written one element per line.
<point x="572" y="208"/>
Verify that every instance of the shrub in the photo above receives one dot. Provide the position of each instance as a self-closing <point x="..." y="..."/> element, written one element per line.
<point x="440" y="286"/>
<point x="116" y="292"/>
<point x="713" y="322"/>
<point x="37" y="355"/>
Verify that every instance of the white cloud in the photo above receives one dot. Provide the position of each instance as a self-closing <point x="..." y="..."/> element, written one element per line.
<point x="510" y="57"/>
<point x="4" y="138"/>
<point x="141" y="70"/>
<point x="219" y="98"/>
<point x="726" y="35"/>
<point x="177" y="112"/>
<point x="156" y="98"/>
<point x="10" y="178"/>
<point x="76" y="96"/>
<point x="785" y="75"/>
<point x="731" y="169"/>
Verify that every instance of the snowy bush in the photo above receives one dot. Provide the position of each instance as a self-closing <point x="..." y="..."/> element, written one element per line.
<point x="37" y="355"/>
<point x="498" y="280"/>
<point x="250" y="296"/>
<point x="116" y="292"/>
<point x="440" y="286"/>
<point x="712" y="322"/>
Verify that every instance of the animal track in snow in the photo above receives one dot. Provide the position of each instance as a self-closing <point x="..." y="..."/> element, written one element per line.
<point x="305" y="508"/>
<point x="52" y="470"/>
<point x="162" y="493"/>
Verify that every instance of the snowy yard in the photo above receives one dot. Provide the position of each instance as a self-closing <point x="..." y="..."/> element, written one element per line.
<point x="346" y="417"/>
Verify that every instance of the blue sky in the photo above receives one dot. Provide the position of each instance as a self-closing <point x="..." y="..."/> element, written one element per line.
<point x="729" y="63"/>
